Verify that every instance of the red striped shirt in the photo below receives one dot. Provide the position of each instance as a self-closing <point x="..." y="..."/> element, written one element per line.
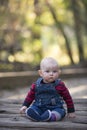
<point x="60" y="88"/>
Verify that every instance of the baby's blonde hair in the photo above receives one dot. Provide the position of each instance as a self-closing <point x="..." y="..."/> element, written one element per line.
<point x="48" y="61"/>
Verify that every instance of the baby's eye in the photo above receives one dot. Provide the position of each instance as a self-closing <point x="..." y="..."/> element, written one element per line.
<point x="47" y="71"/>
<point x="54" y="71"/>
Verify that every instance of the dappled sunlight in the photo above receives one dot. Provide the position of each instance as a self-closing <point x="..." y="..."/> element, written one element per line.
<point x="24" y="57"/>
<point x="11" y="58"/>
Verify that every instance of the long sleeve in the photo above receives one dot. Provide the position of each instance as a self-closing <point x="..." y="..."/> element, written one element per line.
<point x="30" y="96"/>
<point x="64" y="93"/>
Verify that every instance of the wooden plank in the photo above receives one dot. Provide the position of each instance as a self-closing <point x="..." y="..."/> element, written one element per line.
<point x="82" y="113"/>
<point x="81" y="110"/>
<point x="80" y="101"/>
<point x="44" y="125"/>
<point x="78" y="119"/>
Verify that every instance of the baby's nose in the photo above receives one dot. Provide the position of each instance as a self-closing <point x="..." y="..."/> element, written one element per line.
<point x="51" y="73"/>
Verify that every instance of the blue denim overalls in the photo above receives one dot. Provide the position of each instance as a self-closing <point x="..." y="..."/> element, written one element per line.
<point x="46" y="98"/>
<point x="46" y="95"/>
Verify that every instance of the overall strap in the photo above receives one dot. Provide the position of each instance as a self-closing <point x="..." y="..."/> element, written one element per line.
<point x="38" y="81"/>
<point x="57" y="82"/>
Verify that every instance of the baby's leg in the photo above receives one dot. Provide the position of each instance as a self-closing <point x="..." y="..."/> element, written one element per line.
<point x="46" y="115"/>
<point x="57" y="114"/>
<point x="33" y="113"/>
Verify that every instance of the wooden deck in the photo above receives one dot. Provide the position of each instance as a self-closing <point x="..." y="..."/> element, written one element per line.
<point x="10" y="119"/>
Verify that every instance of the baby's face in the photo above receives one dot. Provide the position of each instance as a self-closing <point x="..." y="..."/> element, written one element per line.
<point x="49" y="72"/>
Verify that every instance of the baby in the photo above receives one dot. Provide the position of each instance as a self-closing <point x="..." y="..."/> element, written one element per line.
<point x="44" y="101"/>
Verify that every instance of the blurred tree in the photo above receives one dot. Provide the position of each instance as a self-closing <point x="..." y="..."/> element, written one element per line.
<point x="4" y="3"/>
<point x="24" y="25"/>
<point x="83" y="18"/>
<point x="76" y="13"/>
<point x="60" y="26"/>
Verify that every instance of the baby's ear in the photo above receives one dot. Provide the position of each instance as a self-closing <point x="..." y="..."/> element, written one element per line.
<point x="40" y="72"/>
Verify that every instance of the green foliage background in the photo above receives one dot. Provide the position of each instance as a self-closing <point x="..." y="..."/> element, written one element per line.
<point x="33" y="29"/>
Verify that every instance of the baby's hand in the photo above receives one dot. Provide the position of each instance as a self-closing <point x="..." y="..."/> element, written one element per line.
<point x="22" y="110"/>
<point x="71" y="115"/>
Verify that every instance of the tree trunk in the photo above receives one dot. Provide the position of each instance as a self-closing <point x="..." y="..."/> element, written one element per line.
<point x="84" y="22"/>
<point x="76" y="15"/>
<point x="59" y="26"/>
